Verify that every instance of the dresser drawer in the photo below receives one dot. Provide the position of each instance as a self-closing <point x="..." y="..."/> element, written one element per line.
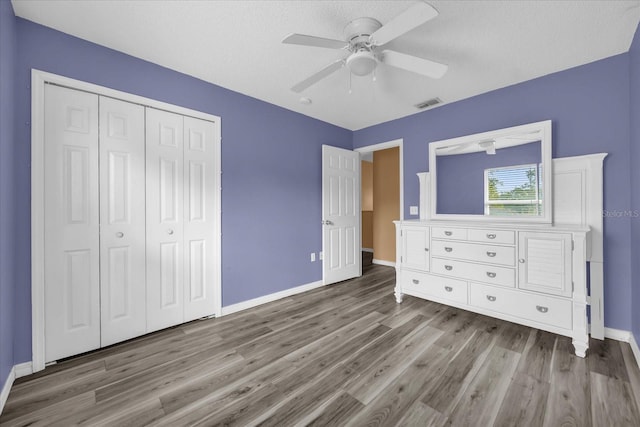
<point x="539" y="308"/>
<point x="502" y="255"/>
<point x="504" y="237"/>
<point x="493" y="274"/>
<point x="440" y="287"/>
<point x="449" y="233"/>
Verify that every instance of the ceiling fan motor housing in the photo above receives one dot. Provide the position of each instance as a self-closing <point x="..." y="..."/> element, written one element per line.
<point x="362" y="61"/>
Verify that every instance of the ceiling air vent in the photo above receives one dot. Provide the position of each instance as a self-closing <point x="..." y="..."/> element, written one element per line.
<point x="429" y="103"/>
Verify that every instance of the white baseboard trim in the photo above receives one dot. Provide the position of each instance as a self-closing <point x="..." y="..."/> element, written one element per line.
<point x="634" y="348"/>
<point x="244" y="305"/>
<point x="383" y="262"/>
<point x="6" y="388"/>
<point x="617" y="334"/>
<point x="367" y="250"/>
<point x="23" y="369"/>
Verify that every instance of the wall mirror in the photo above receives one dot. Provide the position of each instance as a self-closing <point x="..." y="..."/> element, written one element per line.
<point x="500" y="175"/>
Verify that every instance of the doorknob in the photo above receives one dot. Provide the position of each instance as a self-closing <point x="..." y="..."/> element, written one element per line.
<point x="327" y="222"/>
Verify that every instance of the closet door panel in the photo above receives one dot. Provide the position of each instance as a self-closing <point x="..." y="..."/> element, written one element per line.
<point x="71" y="270"/>
<point x="165" y="219"/>
<point x="122" y="233"/>
<point x="199" y="217"/>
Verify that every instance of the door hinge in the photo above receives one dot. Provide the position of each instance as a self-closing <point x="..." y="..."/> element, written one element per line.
<point x="573" y="246"/>
<point x="400" y="233"/>
<point x="400" y="259"/>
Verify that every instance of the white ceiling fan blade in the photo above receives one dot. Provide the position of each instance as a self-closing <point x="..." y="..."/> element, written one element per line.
<point x="411" y="18"/>
<point x="432" y="69"/>
<point x="318" y="76"/>
<point x="314" y="41"/>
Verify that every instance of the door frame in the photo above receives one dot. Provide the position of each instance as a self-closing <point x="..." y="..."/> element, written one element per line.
<point x="38" y="81"/>
<point x="383" y="146"/>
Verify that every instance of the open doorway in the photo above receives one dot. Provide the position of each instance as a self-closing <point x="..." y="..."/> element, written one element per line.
<point x="381" y="201"/>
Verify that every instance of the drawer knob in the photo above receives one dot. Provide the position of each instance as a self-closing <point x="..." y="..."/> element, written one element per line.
<point x="448" y="249"/>
<point x="491" y="274"/>
<point x="491" y="236"/>
<point x="448" y="233"/>
<point x="491" y="298"/>
<point x="119" y="234"/>
<point x="448" y="267"/>
<point x="448" y="288"/>
<point x="491" y="254"/>
<point x="416" y="281"/>
<point x="426" y="249"/>
<point x="542" y="309"/>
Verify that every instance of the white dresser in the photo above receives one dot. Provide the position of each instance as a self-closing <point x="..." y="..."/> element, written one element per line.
<point x="534" y="275"/>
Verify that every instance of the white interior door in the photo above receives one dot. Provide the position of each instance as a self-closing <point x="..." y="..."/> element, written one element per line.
<point x="122" y="221"/>
<point x="165" y="237"/>
<point x="71" y="225"/>
<point x="340" y="214"/>
<point x="199" y="214"/>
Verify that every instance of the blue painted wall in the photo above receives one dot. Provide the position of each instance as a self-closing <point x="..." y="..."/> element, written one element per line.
<point x="7" y="142"/>
<point x="589" y="107"/>
<point x="271" y="162"/>
<point x="634" y="63"/>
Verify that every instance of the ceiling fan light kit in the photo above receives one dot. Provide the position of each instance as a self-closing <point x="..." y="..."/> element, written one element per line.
<point x="363" y="38"/>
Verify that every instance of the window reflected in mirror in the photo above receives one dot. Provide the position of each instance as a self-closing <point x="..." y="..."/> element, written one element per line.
<point x="513" y="190"/>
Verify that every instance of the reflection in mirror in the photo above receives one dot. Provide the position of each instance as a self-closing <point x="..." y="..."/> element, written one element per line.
<point x="497" y="175"/>
<point x="462" y="186"/>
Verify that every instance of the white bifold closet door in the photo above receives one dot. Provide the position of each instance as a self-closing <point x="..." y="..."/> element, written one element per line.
<point x="72" y="245"/>
<point x="180" y="210"/>
<point x="122" y="221"/>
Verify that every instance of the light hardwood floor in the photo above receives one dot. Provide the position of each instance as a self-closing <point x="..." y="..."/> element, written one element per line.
<point x="345" y="354"/>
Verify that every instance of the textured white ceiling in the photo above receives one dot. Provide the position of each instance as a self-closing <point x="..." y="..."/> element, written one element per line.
<point x="236" y="44"/>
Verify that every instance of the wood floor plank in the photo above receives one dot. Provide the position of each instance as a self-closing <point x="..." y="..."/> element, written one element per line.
<point x="536" y="357"/>
<point x="525" y="402"/>
<point x="569" y="401"/>
<point x="443" y="394"/>
<point x="632" y="369"/>
<point x="343" y="354"/>
<point x="477" y="405"/>
<point x="391" y="405"/>
<point x="366" y="386"/>
<point x="422" y="415"/>
<point x="605" y="358"/>
<point x="612" y="402"/>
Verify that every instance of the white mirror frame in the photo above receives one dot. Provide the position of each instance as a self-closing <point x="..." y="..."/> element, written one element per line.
<point x="544" y="127"/>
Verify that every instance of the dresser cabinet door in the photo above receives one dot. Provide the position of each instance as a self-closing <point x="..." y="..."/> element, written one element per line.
<point x="544" y="262"/>
<point x="415" y="248"/>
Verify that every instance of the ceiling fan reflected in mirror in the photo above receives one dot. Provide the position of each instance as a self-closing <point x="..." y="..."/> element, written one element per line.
<point x="364" y="38"/>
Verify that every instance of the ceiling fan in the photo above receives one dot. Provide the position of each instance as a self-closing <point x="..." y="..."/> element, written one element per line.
<point x="363" y="40"/>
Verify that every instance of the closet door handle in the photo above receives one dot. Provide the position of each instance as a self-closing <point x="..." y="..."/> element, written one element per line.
<point x="521" y="260"/>
<point x="491" y="274"/>
<point x="542" y="309"/>
<point x="169" y="232"/>
<point x="491" y="254"/>
<point x="448" y="288"/>
<point x="119" y="234"/>
<point x="491" y="298"/>
<point x="448" y="267"/>
<point x="448" y="249"/>
<point x="491" y="236"/>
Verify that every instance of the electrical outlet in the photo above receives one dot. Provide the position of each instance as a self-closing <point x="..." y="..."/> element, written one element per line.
<point x="413" y="210"/>
<point x="313" y="256"/>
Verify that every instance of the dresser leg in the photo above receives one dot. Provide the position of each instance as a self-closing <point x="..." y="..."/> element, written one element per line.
<point x="398" y="295"/>
<point x="580" y="347"/>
